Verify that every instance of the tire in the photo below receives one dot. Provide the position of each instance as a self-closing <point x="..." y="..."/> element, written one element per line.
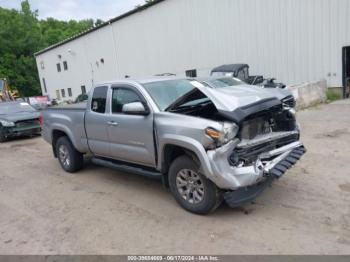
<point x="194" y="192"/>
<point x="70" y="159"/>
<point x="2" y="138"/>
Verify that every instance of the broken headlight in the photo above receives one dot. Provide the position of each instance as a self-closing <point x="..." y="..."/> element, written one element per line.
<point x="228" y="133"/>
<point x="7" y="123"/>
<point x="289" y="102"/>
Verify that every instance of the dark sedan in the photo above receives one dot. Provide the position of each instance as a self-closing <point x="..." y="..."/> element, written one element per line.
<point x="18" y="119"/>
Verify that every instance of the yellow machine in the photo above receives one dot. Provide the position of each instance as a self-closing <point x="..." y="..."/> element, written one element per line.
<point x="6" y="94"/>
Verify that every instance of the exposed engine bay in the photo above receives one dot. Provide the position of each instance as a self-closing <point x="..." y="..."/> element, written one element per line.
<point x="264" y="130"/>
<point x="275" y="119"/>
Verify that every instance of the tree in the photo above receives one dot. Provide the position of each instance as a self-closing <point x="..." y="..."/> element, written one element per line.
<point x="21" y="35"/>
<point x="19" y="38"/>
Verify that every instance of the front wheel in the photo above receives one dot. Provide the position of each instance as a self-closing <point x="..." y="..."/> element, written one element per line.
<point x="192" y="190"/>
<point x="70" y="159"/>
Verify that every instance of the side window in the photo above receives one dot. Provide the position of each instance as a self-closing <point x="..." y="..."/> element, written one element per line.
<point x="246" y="73"/>
<point x="191" y="73"/>
<point x="99" y="98"/>
<point x="241" y="75"/>
<point x="122" y="96"/>
<point x="83" y="90"/>
<point x="44" y="84"/>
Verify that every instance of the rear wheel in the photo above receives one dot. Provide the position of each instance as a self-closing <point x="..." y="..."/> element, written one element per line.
<point x="70" y="159"/>
<point x="193" y="191"/>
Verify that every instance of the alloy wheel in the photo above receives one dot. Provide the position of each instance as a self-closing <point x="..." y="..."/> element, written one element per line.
<point x="64" y="155"/>
<point x="190" y="186"/>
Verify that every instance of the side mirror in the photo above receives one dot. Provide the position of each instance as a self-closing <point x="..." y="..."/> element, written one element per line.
<point x="135" y="108"/>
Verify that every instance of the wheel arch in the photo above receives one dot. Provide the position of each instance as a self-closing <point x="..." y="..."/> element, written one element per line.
<point x="58" y="133"/>
<point x="173" y="147"/>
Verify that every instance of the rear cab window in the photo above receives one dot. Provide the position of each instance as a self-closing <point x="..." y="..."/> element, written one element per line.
<point x="99" y="99"/>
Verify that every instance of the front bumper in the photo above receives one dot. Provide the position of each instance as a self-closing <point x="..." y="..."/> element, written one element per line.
<point x="21" y="131"/>
<point x="231" y="178"/>
<point x="273" y="171"/>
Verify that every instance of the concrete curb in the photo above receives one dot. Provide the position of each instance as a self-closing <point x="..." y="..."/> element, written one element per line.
<point x="309" y="94"/>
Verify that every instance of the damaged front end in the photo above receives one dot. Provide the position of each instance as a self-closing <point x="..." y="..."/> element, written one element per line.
<point x="266" y="146"/>
<point x="256" y="143"/>
<point x="246" y="181"/>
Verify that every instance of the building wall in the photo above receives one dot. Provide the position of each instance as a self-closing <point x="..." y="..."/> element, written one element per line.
<point x="292" y="40"/>
<point x="83" y="57"/>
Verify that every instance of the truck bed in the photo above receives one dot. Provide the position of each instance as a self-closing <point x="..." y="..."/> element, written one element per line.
<point x="69" y="119"/>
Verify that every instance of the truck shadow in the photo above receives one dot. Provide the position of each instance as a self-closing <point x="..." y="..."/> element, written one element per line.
<point x="153" y="188"/>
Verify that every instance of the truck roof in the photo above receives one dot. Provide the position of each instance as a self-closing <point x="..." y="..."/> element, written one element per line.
<point x="141" y="80"/>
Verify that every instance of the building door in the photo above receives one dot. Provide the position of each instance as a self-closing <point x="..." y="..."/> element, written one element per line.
<point x="346" y="72"/>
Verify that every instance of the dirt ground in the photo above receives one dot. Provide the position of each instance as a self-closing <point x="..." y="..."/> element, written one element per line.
<point x="44" y="210"/>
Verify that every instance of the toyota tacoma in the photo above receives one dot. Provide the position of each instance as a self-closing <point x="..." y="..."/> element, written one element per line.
<point x="207" y="145"/>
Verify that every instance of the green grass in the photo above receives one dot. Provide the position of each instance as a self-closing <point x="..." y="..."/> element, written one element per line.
<point x="333" y="95"/>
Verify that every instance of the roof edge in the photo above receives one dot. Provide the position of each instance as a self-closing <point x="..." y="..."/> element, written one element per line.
<point x="129" y="13"/>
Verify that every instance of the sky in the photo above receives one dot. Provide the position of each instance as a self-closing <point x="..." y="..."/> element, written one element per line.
<point x="76" y="9"/>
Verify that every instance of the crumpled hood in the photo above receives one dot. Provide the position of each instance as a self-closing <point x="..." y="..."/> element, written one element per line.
<point x="20" y="116"/>
<point x="280" y="93"/>
<point x="232" y="98"/>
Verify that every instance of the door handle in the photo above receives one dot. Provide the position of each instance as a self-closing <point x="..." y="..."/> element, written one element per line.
<point x="112" y="123"/>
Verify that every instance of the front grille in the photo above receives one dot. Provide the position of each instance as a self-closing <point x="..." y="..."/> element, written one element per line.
<point x="254" y="127"/>
<point x="260" y="123"/>
<point x="275" y="119"/>
<point x="28" y="123"/>
<point x="250" y="154"/>
<point x="289" y="102"/>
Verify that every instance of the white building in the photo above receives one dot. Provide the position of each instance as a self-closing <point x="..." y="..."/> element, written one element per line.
<point x="292" y="40"/>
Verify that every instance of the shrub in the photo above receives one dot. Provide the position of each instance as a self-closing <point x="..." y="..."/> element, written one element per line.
<point x="333" y="95"/>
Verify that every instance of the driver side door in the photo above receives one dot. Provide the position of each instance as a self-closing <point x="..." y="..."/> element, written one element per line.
<point x="130" y="136"/>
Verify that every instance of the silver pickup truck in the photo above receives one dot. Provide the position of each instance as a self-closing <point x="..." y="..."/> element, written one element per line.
<point x="207" y="145"/>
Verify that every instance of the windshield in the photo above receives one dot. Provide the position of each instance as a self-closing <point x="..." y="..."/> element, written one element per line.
<point x="224" y="82"/>
<point x="165" y="93"/>
<point x="13" y="108"/>
<point x="218" y="74"/>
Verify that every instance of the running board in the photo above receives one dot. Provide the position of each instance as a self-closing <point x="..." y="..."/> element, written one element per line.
<point x="126" y="168"/>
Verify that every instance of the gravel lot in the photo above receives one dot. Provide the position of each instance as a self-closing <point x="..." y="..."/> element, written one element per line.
<point x="100" y="211"/>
